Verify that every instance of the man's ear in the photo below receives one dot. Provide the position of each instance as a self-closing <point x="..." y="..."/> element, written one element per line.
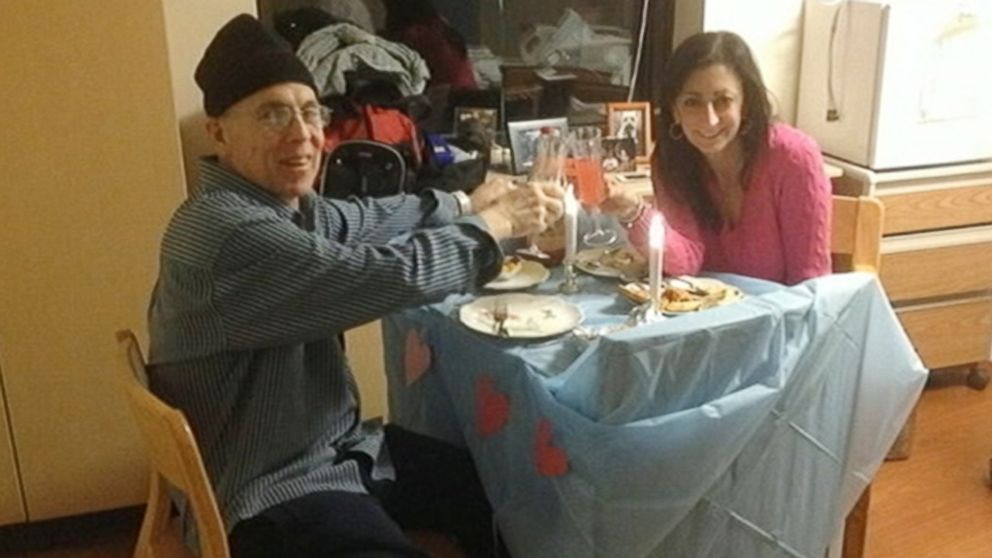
<point x="216" y="132"/>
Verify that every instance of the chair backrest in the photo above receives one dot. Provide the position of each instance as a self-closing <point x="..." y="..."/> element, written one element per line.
<point x="856" y="233"/>
<point x="364" y="168"/>
<point x="175" y="462"/>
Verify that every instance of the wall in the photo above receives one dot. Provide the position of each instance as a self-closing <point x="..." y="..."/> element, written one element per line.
<point x="773" y="29"/>
<point x="190" y="24"/>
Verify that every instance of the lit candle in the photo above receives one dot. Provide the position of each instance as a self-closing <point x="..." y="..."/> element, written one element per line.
<point x="656" y="243"/>
<point x="571" y="223"/>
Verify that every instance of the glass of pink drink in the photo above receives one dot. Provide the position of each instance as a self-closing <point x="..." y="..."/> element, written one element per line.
<point x="585" y="169"/>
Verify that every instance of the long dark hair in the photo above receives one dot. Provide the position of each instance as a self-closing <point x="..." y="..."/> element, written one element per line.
<point x="401" y="14"/>
<point x="682" y="168"/>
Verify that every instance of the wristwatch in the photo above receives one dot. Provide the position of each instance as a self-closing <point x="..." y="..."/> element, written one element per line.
<point x="464" y="203"/>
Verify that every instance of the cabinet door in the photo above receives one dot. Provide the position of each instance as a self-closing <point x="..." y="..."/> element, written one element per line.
<point x="11" y="503"/>
<point x="97" y="175"/>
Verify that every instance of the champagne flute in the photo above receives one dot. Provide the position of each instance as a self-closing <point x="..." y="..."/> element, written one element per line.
<point x="549" y="163"/>
<point x="587" y="171"/>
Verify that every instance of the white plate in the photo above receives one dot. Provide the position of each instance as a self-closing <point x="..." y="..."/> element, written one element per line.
<point x="619" y="261"/>
<point x="529" y="316"/>
<point x="712" y="293"/>
<point x="530" y="274"/>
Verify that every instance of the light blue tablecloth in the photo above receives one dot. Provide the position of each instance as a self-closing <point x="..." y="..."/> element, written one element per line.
<point x="742" y="431"/>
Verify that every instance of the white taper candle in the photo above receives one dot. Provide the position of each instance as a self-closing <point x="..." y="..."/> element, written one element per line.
<point x="571" y="223"/>
<point x="656" y="244"/>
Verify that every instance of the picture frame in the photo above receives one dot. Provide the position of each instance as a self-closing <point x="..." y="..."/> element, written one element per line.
<point x="521" y="135"/>
<point x="487" y="117"/>
<point x="632" y="120"/>
<point x="619" y="154"/>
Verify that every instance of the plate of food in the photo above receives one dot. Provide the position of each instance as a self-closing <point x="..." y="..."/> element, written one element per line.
<point x="520" y="315"/>
<point x="684" y="294"/>
<point x="518" y="273"/>
<point x="618" y="261"/>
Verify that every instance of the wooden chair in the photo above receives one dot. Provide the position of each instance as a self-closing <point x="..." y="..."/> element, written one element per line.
<point x="856" y="234"/>
<point x="175" y="462"/>
<point x="856" y="237"/>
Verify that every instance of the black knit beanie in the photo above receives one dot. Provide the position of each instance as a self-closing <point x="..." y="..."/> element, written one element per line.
<point x="244" y="58"/>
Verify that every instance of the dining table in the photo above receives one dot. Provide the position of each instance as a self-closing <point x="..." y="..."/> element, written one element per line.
<point x="743" y="430"/>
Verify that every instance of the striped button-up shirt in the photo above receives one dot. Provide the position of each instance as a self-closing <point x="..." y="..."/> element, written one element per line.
<point x="245" y="314"/>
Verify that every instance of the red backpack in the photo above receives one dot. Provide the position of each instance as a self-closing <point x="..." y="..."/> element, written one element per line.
<point x="378" y="123"/>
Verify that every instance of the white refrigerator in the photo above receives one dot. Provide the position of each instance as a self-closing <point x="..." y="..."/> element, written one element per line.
<point x="898" y="84"/>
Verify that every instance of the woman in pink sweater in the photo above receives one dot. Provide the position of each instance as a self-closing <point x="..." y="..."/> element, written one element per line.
<point x="739" y="193"/>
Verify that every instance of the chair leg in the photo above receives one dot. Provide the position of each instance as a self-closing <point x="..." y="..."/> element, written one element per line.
<point x="904" y="441"/>
<point x="977" y="378"/>
<point x="856" y="527"/>
<point x="155" y="524"/>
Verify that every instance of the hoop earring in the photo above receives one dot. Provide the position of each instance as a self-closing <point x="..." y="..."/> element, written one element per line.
<point x="675" y="131"/>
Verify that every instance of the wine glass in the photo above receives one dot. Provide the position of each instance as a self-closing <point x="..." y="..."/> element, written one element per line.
<point x="586" y="170"/>
<point x="549" y="164"/>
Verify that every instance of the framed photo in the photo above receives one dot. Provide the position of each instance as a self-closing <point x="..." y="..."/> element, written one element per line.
<point x="522" y="135"/>
<point x="619" y="154"/>
<point x="631" y="120"/>
<point x="487" y="119"/>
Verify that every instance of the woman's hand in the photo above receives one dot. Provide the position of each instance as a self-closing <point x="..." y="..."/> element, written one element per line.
<point x="621" y="203"/>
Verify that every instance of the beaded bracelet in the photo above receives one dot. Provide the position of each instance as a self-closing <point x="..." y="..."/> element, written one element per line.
<point x="629" y="222"/>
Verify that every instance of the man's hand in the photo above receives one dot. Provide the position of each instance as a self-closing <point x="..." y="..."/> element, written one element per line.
<point x="496" y="186"/>
<point x="524" y="209"/>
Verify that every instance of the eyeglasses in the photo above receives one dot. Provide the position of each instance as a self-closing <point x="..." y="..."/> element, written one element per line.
<point x="278" y="117"/>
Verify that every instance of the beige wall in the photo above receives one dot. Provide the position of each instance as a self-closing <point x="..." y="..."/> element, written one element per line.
<point x="190" y="24"/>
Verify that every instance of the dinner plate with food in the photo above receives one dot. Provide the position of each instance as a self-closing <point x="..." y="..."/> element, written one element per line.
<point x="617" y="261"/>
<point x="518" y="273"/>
<point x="520" y="315"/>
<point x="684" y="294"/>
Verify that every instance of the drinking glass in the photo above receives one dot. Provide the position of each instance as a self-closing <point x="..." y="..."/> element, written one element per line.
<point x="549" y="166"/>
<point x="586" y="171"/>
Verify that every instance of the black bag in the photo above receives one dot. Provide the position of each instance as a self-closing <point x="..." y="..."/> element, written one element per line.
<point x="364" y="168"/>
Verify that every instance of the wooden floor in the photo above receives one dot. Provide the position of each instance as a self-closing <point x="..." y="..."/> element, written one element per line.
<point x="936" y="504"/>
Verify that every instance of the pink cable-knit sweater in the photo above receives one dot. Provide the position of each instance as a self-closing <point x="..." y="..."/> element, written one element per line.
<point x="784" y="229"/>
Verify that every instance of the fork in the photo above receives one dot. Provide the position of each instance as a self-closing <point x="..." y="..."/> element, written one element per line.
<point x="500" y="315"/>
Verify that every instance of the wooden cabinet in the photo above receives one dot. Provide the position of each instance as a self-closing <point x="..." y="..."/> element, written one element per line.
<point x="11" y="504"/>
<point x="936" y="255"/>
<point x="92" y="170"/>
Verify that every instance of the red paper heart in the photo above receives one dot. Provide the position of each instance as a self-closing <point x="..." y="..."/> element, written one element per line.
<point x="551" y="460"/>
<point x="416" y="357"/>
<point x="492" y="408"/>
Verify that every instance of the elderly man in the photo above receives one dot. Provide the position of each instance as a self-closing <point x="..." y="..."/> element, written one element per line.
<point x="259" y="275"/>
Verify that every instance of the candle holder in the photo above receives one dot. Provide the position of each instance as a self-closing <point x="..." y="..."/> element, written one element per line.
<point x="646" y="313"/>
<point x="570" y="285"/>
